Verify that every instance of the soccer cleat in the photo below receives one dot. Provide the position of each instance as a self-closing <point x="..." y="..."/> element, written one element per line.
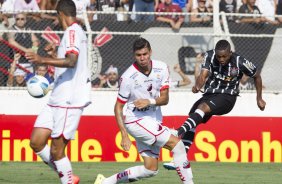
<point x="169" y="165"/>
<point x="99" y="179"/>
<point x="75" y="179"/>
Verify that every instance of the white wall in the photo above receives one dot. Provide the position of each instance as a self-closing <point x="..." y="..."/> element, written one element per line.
<point x="19" y="102"/>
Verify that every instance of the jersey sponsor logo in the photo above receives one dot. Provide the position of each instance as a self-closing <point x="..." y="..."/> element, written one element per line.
<point x="224" y="77"/>
<point x="149" y="80"/>
<point x="157" y="69"/>
<point x="72" y="37"/>
<point x="234" y="71"/>
<point x="141" y="110"/>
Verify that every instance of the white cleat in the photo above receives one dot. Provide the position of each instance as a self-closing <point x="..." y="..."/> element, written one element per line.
<point x="169" y="165"/>
<point x="99" y="179"/>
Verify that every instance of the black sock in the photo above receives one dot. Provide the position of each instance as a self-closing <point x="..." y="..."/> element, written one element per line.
<point x="190" y="123"/>
<point x="188" y="139"/>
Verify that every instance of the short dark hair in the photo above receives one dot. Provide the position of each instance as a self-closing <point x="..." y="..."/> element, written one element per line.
<point x="67" y="7"/>
<point x="141" y="43"/>
<point x="222" y="45"/>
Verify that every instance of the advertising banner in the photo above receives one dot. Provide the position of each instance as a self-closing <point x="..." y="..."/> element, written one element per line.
<point x="224" y="139"/>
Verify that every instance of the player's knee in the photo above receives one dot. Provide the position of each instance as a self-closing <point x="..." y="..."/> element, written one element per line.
<point x="204" y="107"/>
<point x="149" y="173"/>
<point x="35" y="146"/>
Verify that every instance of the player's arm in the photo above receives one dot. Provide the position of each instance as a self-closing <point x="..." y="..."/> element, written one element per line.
<point x="68" y="62"/>
<point x="258" y="84"/>
<point x="125" y="141"/>
<point x="249" y="69"/>
<point x="163" y="97"/>
<point x="201" y="80"/>
<point x="161" y="100"/>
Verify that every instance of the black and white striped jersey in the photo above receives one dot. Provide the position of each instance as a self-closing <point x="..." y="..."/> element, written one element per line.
<point x="225" y="79"/>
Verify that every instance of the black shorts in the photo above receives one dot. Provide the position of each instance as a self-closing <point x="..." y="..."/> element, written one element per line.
<point x="219" y="104"/>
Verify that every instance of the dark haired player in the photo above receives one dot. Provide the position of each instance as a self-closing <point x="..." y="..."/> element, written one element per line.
<point x="70" y="95"/>
<point x="221" y="73"/>
<point x="143" y="90"/>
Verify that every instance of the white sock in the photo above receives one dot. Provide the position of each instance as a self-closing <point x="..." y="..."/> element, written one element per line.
<point x="130" y="175"/>
<point x="64" y="170"/>
<point x="182" y="164"/>
<point x="45" y="155"/>
<point x="200" y="112"/>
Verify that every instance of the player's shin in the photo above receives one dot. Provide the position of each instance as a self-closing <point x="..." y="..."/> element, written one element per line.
<point x="45" y="155"/>
<point x="188" y="139"/>
<point x="131" y="174"/>
<point x="182" y="164"/>
<point x="192" y="122"/>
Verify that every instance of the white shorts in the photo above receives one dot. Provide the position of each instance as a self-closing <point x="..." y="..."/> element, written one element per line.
<point x="61" y="121"/>
<point x="149" y="134"/>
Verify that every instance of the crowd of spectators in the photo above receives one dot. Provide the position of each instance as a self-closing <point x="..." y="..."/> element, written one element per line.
<point x="149" y="9"/>
<point x="154" y="11"/>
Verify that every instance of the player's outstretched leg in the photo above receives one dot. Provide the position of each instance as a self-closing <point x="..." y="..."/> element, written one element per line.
<point x="192" y="122"/>
<point x="187" y="139"/>
<point x="129" y="175"/>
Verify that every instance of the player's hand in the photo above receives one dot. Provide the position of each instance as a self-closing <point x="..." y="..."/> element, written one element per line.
<point x="125" y="143"/>
<point x="195" y="89"/>
<point x="261" y="104"/>
<point x="33" y="57"/>
<point x="50" y="48"/>
<point x="141" y="103"/>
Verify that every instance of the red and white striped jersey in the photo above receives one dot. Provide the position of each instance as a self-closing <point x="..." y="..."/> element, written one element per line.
<point x="136" y="85"/>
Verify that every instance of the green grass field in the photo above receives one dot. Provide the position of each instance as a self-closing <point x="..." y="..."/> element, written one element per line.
<point x="204" y="173"/>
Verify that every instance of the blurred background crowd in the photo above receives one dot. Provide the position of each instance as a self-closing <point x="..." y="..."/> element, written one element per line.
<point x="15" y="39"/>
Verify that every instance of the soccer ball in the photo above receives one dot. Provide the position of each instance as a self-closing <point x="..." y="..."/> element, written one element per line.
<point x="38" y="86"/>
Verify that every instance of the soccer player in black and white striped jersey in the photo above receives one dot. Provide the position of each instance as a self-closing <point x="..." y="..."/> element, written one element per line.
<point x="220" y="75"/>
